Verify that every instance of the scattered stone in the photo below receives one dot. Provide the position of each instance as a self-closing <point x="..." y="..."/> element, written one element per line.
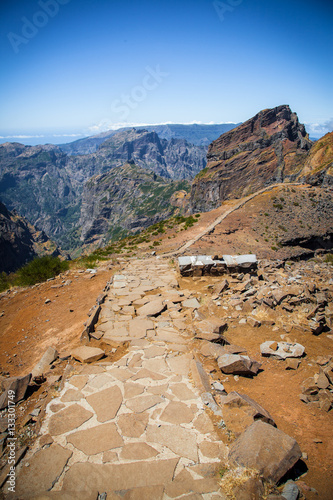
<point x="253" y="322"/>
<point x="284" y="350"/>
<point x="200" y="377"/>
<point x="88" y="354"/>
<point x="50" y="355"/>
<point x="17" y="387"/>
<point x="290" y="491"/>
<point x="292" y="363"/>
<point x="47" y="301"/>
<point x="321" y="380"/>
<point x="191" y="303"/>
<point x="264" y="448"/>
<point x="236" y="364"/>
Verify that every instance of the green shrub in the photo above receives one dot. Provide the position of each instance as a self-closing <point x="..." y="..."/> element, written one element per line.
<point x="40" y="269"/>
<point x="4" y="282"/>
<point x="329" y="259"/>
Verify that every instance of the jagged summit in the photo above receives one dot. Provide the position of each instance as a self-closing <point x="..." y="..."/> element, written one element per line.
<point x="270" y="147"/>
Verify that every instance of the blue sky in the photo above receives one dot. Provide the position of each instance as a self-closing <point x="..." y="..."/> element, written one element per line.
<point x="73" y="68"/>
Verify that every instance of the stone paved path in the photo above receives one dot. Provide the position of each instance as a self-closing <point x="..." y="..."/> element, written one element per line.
<point x="137" y="428"/>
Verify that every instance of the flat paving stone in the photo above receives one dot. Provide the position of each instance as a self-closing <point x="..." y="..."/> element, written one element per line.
<point x="153" y="308"/>
<point x="138" y="451"/>
<point x="144" y="373"/>
<point x="96" y="439"/>
<point x="182" y="392"/>
<point x="192" y="303"/>
<point x="169" y="335"/>
<point x="131" y="390"/>
<point x="177" y="413"/>
<point x="115" y="477"/>
<point x="180" y="364"/>
<point x="181" y="441"/>
<point x="106" y="403"/>
<point x="44" y="469"/>
<point x="100" y="381"/>
<point x="143" y="403"/>
<point x="79" y="381"/>
<point x="71" y="395"/>
<point x="138" y="327"/>
<point x="154" y="351"/>
<point x="133" y="424"/>
<point x="68" y="419"/>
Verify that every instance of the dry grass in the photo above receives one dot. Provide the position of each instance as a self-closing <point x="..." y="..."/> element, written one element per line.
<point x="235" y="477"/>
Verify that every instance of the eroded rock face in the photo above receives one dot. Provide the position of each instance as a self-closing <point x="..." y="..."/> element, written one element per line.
<point x="271" y="147"/>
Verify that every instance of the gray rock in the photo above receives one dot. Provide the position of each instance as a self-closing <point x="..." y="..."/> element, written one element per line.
<point x="45" y="362"/>
<point x="236" y="364"/>
<point x="264" y="448"/>
<point x="290" y="491"/>
<point x="284" y="349"/>
<point x="15" y="390"/>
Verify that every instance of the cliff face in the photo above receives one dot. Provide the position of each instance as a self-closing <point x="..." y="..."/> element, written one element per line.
<point x="45" y="185"/>
<point x="37" y="182"/>
<point x="125" y="199"/>
<point x="174" y="159"/>
<point x="20" y="241"/>
<point x="271" y="147"/>
<point x="318" y="167"/>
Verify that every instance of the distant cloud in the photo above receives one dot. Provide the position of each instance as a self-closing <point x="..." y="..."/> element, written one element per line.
<point x="106" y="125"/>
<point x="67" y="135"/>
<point x="21" y="136"/>
<point x="319" y="129"/>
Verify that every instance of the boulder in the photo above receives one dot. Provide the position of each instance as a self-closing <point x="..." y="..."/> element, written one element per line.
<point x="236" y="364"/>
<point x="45" y="362"/>
<point x="17" y="387"/>
<point x="266" y="449"/>
<point x="284" y="349"/>
<point x="87" y="354"/>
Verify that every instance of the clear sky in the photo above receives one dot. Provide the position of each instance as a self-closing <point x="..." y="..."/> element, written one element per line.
<point x="84" y="66"/>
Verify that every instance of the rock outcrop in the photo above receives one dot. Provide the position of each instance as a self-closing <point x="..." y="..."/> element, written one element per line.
<point x="271" y="147"/>
<point x="20" y="241"/>
<point x="127" y="198"/>
<point x="318" y="167"/>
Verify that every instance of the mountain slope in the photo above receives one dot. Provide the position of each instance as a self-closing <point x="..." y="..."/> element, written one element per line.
<point x="128" y="198"/>
<point x="199" y="135"/>
<point x="20" y="242"/>
<point x="270" y="147"/>
<point x="318" y="167"/>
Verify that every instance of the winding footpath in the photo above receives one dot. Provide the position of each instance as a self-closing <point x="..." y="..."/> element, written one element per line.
<point x="223" y="216"/>
<point x="137" y="428"/>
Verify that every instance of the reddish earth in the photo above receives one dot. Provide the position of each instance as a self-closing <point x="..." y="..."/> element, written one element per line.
<point x="29" y="325"/>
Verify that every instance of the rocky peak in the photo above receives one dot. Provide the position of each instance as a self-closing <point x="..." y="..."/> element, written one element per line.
<point x="270" y="147"/>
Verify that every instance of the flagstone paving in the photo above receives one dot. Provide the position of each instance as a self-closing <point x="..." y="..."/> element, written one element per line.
<point x="136" y="428"/>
